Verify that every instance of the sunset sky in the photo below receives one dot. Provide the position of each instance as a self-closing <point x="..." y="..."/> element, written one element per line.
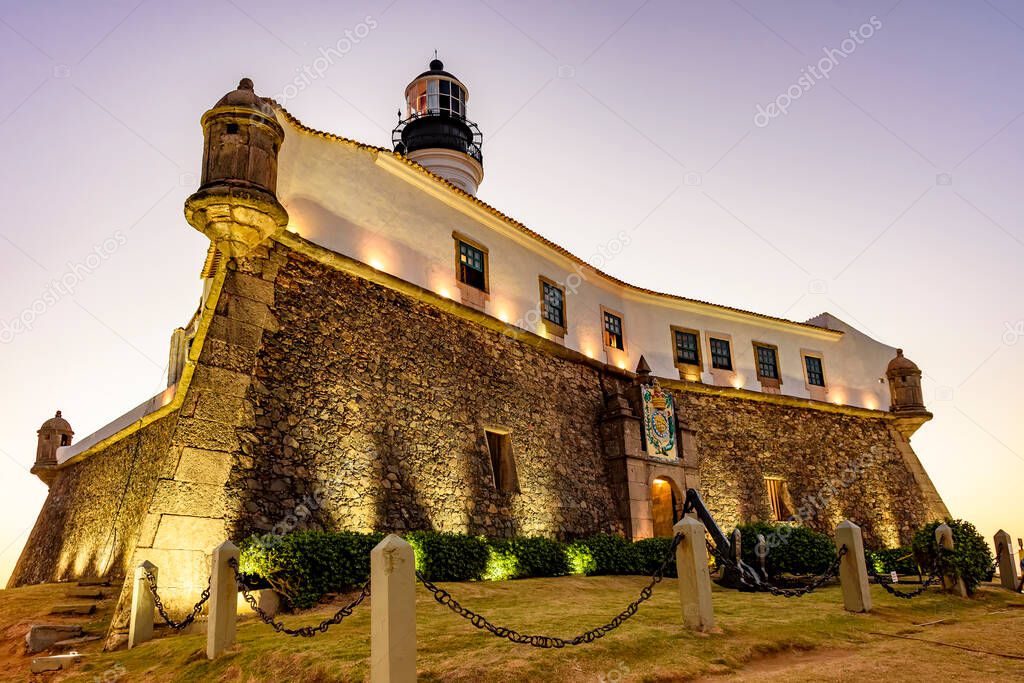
<point x="887" y="192"/>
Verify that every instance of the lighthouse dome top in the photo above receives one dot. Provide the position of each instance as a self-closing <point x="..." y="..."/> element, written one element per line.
<point x="437" y="69"/>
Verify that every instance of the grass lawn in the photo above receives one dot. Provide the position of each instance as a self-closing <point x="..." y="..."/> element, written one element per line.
<point x="763" y="637"/>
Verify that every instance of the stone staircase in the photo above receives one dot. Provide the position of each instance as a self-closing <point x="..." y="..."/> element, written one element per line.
<point x="66" y="638"/>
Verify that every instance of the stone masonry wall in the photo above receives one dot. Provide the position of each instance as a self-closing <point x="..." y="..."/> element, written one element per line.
<point x="370" y="407"/>
<point x="370" y="410"/>
<point x="836" y="466"/>
<point x="90" y="521"/>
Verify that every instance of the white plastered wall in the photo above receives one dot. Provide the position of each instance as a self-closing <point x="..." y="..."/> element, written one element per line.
<point x="375" y="208"/>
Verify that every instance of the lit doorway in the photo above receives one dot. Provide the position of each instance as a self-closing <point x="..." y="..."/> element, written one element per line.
<point x="665" y="504"/>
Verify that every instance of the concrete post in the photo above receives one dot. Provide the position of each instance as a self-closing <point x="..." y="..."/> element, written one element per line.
<point x="1006" y="561"/>
<point x="944" y="539"/>
<point x="694" y="576"/>
<point x="761" y="550"/>
<point x="853" y="570"/>
<point x="220" y="631"/>
<point x="392" y="612"/>
<point x="140" y="627"/>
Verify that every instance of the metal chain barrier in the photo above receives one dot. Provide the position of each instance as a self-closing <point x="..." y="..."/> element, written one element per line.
<point x="303" y="631"/>
<point x="886" y="583"/>
<point x="184" y="623"/>
<point x="481" y="622"/>
<point x="763" y="586"/>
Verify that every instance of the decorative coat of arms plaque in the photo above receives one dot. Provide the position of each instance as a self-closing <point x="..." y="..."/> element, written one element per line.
<point x="659" y="419"/>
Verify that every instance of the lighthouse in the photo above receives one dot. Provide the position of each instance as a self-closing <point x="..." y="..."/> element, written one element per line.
<point x="436" y="131"/>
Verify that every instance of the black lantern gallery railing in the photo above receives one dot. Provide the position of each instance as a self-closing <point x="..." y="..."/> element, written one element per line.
<point x="438" y="130"/>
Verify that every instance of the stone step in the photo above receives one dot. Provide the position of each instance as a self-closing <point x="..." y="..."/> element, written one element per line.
<point x="86" y="593"/>
<point x="54" y="663"/>
<point x="94" y="581"/>
<point x="74" y="643"/>
<point x="79" y="609"/>
<point x="41" y="636"/>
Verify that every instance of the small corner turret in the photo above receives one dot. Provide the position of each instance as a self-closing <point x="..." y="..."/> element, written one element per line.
<point x="55" y="433"/>
<point x="906" y="396"/>
<point x="236" y="205"/>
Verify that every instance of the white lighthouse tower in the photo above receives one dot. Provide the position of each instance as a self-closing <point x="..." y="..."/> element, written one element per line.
<point x="436" y="133"/>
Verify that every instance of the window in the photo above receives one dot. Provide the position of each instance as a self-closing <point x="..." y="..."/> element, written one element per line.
<point x="552" y="302"/>
<point x="815" y="371"/>
<point x="437" y="96"/>
<point x="472" y="262"/>
<point x="687" y="347"/>
<point x="503" y="464"/>
<point x="613" y="331"/>
<point x="767" y="362"/>
<point x="778" y="498"/>
<point x="721" y="354"/>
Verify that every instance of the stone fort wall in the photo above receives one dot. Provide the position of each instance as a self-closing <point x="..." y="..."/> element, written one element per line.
<point x="836" y="466"/>
<point x="90" y="522"/>
<point x="370" y="408"/>
<point x="327" y="396"/>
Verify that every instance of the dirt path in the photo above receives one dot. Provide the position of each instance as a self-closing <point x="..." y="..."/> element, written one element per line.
<point x="907" y="658"/>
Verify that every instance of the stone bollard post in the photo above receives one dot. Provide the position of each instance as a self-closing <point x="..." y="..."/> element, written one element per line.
<point x="761" y="550"/>
<point x="140" y="627"/>
<point x="220" y="631"/>
<point x="853" y="569"/>
<point x="944" y="539"/>
<point x="1005" y="560"/>
<point x="694" y="576"/>
<point x="392" y="612"/>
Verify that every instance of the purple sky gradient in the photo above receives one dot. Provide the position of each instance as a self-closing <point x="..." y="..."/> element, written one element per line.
<point x="597" y="117"/>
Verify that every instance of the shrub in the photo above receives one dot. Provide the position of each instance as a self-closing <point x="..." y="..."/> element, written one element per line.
<point x="581" y="560"/>
<point x="446" y="556"/>
<point x="650" y="553"/>
<point x="522" y="557"/>
<point x="611" y="554"/>
<point x="791" y="549"/>
<point x="304" y="565"/>
<point x="971" y="558"/>
<point x="899" y="560"/>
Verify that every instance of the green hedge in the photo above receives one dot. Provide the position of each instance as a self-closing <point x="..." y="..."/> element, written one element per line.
<point x="899" y="560"/>
<point x="305" y="565"/>
<point x="523" y="557"/>
<point x="791" y="549"/>
<point x="446" y="556"/>
<point x="971" y="558"/>
<point x="650" y="553"/>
